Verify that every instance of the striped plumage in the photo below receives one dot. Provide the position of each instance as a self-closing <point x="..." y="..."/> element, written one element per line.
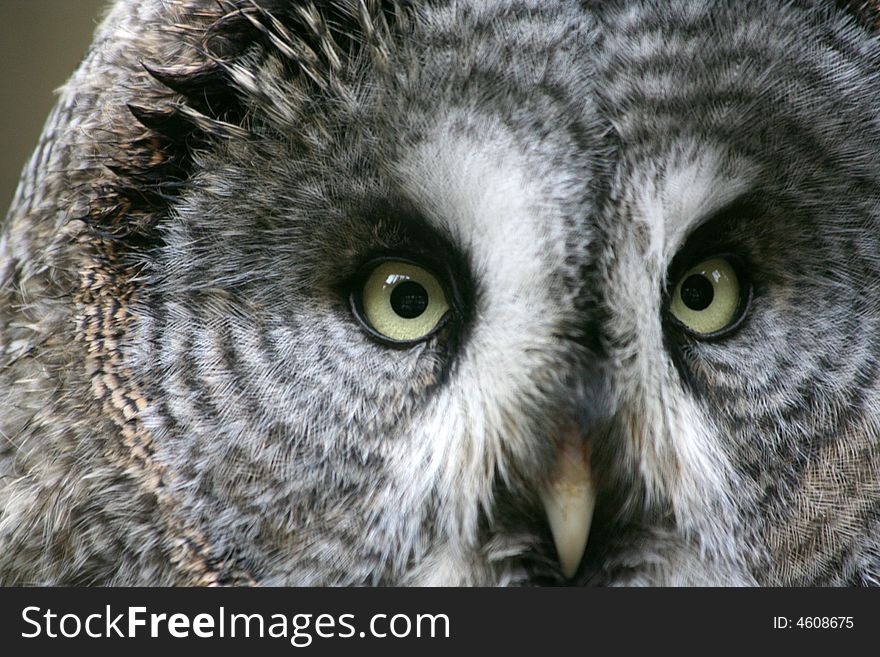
<point x="192" y="389"/>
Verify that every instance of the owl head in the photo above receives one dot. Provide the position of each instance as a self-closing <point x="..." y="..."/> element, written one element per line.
<point x="461" y="293"/>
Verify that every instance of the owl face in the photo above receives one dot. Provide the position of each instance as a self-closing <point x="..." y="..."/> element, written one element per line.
<point x="545" y="294"/>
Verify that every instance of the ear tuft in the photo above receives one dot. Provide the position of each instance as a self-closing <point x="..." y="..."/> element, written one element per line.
<point x="866" y="11"/>
<point x="307" y="46"/>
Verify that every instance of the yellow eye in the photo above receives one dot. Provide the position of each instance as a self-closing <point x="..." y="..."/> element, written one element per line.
<point x="403" y="302"/>
<point x="707" y="298"/>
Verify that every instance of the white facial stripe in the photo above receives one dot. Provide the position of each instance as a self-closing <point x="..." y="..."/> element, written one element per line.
<point x="487" y="196"/>
<point x="678" y="455"/>
<point x="693" y="185"/>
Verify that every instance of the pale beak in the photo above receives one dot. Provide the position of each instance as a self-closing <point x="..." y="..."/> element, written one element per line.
<point x="569" y="499"/>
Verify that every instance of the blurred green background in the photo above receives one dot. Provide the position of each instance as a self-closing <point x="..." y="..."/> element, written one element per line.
<point x="41" y="43"/>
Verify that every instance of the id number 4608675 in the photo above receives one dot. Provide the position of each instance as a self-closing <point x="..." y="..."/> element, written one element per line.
<point x="813" y="623"/>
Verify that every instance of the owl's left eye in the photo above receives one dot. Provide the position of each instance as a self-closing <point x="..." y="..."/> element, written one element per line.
<point x="710" y="299"/>
<point x="400" y="302"/>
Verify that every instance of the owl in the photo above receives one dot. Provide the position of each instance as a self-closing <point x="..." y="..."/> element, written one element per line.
<point x="502" y="292"/>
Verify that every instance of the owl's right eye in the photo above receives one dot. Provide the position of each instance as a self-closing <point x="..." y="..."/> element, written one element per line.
<point x="400" y="303"/>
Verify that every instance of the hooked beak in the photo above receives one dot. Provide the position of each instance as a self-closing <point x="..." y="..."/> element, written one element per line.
<point x="569" y="499"/>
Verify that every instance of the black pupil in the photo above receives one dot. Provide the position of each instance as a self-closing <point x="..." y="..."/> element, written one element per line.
<point x="409" y="299"/>
<point x="697" y="292"/>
